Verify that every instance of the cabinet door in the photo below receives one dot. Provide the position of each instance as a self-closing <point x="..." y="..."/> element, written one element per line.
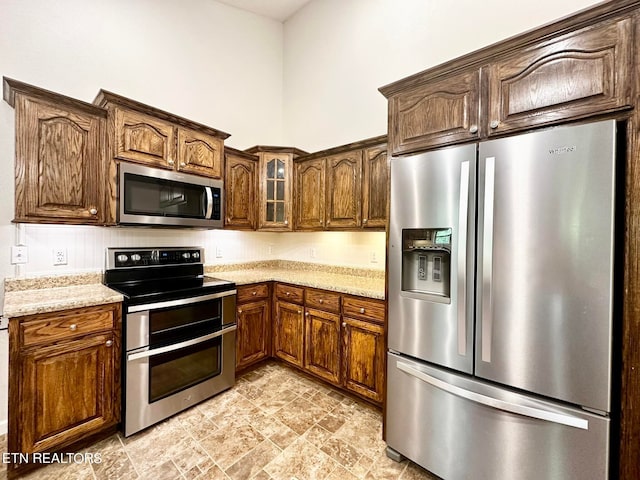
<point x="60" y="163"/>
<point x="364" y="358"/>
<point x="199" y="154"/>
<point x="322" y="341"/>
<point x="310" y="199"/>
<point x="253" y="334"/>
<point x="288" y="341"/>
<point x="375" y="187"/>
<point x="576" y="75"/>
<point x="144" y="139"/>
<point x="344" y="190"/>
<point x="437" y="113"/>
<point x="67" y="390"/>
<point x="240" y="186"/>
<point x="275" y="191"/>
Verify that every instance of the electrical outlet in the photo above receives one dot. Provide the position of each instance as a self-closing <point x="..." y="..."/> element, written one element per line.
<point x="19" y="254"/>
<point x="312" y="252"/>
<point x="373" y="258"/>
<point x="218" y="252"/>
<point x="270" y="249"/>
<point x="59" y="256"/>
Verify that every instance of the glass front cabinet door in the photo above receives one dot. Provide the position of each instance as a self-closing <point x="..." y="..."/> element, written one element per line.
<point x="275" y="190"/>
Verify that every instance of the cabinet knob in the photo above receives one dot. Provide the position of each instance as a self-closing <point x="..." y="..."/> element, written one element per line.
<point x="254" y="293"/>
<point x="362" y="310"/>
<point x="240" y="310"/>
<point x="364" y="221"/>
<point x="473" y="128"/>
<point x="321" y="301"/>
<point x="306" y="314"/>
<point x="108" y="343"/>
<point x="170" y="162"/>
<point x="286" y="222"/>
<point x="182" y="164"/>
<point x="73" y="327"/>
<point x="344" y="324"/>
<point x="287" y="293"/>
<point x="328" y="222"/>
<point x="300" y="311"/>
<point x="93" y="211"/>
<point x="494" y="124"/>
<point x="228" y="219"/>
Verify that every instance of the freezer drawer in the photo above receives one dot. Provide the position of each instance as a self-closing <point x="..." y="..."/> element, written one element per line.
<point x="460" y="428"/>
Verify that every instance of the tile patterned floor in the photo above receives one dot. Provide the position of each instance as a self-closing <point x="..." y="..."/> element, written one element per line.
<point x="276" y="423"/>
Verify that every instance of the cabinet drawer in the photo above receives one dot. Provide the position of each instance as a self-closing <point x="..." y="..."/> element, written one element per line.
<point x="53" y="327"/>
<point x="248" y="293"/>
<point x="364" y="308"/>
<point x="290" y="293"/>
<point x="323" y="300"/>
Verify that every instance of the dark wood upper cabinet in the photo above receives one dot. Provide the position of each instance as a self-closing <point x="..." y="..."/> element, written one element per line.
<point x="515" y="85"/>
<point x="60" y="158"/>
<point x="240" y="189"/>
<point x="575" y="75"/>
<point x="438" y="113"/>
<point x="310" y="194"/>
<point x="375" y="187"/>
<point x="144" y="134"/>
<point x="344" y="190"/>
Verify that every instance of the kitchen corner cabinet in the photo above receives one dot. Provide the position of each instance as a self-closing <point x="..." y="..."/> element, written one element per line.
<point x="275" y="186"/>
<point x="64" y="380"/>
<point x="240" y="186"/>
<point x="60" y="159"/>
<point x="519" y="85"/>
<point x="143" y="134"/>
<point x="253" y="336"/>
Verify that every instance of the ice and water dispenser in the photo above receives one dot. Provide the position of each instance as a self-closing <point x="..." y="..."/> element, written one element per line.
<point x="426" y="262"/>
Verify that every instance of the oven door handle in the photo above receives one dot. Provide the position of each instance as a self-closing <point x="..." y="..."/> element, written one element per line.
<point x="179" y="302"/>
<point x="178" y="346"/>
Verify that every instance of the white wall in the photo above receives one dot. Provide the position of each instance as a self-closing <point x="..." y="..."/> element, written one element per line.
<point x="338" y="53"/>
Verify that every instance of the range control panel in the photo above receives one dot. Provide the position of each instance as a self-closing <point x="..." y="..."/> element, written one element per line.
<point x="143" y="257"/>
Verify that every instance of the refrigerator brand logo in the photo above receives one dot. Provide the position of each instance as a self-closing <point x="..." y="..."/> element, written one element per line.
<point x="561" y="150"/>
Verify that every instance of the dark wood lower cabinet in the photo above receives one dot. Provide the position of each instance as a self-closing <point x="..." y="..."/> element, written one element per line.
<point x="288" y="333"/>
<point x="253" y="334"/>
<point x="64" y="379"/>
<point x="322" y="344"/>
<point x="364" y="358"/>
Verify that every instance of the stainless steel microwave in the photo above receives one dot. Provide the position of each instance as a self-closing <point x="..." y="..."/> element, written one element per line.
<point x="155" y="197"/>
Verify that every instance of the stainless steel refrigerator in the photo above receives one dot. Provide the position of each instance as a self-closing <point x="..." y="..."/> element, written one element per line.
<point x="501" y="270"/>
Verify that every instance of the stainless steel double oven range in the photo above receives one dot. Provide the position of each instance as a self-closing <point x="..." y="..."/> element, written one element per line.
<point x="179" y="331"/>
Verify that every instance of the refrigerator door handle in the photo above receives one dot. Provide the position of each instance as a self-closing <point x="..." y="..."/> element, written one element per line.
<point x="486" y="320"/>
<point x="496" y="403"/>
<point x="462" y="258"/>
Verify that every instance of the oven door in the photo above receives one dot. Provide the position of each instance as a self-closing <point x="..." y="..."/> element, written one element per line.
<point x="163" y="381"/>
<point x="151" y="196"/>
<point x="178" y="353"/>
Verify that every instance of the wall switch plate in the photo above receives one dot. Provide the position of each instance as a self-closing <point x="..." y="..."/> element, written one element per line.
<point x="59" y="256"/>
<point x="19" y="254"/>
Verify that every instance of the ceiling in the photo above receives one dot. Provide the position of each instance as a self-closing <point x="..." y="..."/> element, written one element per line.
<point x="277" y="9"/>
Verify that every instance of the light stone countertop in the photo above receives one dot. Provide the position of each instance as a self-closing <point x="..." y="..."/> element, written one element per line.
<point x="18" y="303"/>
<point x="30" y="296"/>
<point x="360" y="285"/>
